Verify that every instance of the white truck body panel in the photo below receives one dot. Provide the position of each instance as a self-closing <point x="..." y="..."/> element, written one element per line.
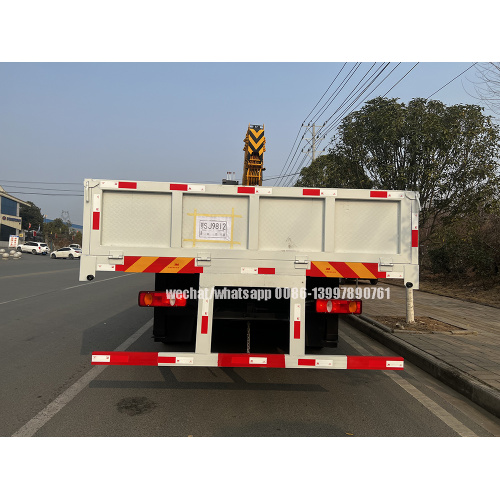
<point x="229" y="227"/>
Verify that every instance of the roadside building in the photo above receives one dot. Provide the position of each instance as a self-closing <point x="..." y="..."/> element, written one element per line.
<point x="10" y="222"/>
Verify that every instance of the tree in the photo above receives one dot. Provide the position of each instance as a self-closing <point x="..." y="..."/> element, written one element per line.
<point x="334" y="170"/>
<point x="57" y="232"/>
<point x="448" y="154"/>
<point x="488" y="86"/>
<point x="31" y="215"/>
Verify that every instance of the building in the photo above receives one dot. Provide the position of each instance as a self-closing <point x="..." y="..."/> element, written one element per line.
<point x="10" y="222"/>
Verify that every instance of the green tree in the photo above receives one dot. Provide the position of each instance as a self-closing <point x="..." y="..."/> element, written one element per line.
<point x="336" y="170"/>
<point x="57" y="232"/>
<point x="449" y="154"/>
<point x="31" y="215"/>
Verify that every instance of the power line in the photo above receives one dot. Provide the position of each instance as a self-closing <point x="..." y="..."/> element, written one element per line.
<point x="359" y="96"/>
<point x="37" y="182"/>
<point x="328" y="103"/>
<point x="353" y="101"/>
<point x="40" y="189"/>
<point x="333" y="81"/>
<point x="335" y="93"/>
<point x="453" y="79"/>
<point x="298" y="133"/>
<point x="401" y="79"/>
<point x="332" y="126"/>
<point x="44" y="194"/>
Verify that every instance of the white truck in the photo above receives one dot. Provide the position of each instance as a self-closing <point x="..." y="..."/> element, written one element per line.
<point x="248" y="276"/>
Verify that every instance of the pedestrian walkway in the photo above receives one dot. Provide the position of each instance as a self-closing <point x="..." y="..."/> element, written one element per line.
<point x="477" y="356"/>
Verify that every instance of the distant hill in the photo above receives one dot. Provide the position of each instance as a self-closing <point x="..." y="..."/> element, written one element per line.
<point x="76" y="226"/>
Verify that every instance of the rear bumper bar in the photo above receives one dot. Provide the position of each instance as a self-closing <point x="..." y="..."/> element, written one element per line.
<point x="337" y="362"/>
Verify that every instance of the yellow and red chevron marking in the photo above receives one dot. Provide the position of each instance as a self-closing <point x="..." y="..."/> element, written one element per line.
<point x="159" y="265"/>
<point x="362" y="270"/>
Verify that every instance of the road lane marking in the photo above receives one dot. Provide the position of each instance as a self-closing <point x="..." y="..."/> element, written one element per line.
<point x="68" y="288"/>
<point x="37" y="274"/>
<point x="30" y="428"/>
<point x="430" y="404"/>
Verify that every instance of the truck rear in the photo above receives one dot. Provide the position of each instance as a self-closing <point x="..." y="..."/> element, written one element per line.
<point x="248" y="275"/>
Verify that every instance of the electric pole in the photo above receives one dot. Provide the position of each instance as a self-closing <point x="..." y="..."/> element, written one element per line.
<point x="312" y="141"/>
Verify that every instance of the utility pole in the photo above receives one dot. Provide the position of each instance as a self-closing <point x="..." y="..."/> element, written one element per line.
<point x="312" y="141"/>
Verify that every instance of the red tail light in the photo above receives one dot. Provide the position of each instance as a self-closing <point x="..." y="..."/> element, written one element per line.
<point x="161" y="299"/>
<point x="339" y="306"/>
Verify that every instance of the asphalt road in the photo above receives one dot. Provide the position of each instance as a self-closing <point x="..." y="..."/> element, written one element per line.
<point x="50" y="323"/>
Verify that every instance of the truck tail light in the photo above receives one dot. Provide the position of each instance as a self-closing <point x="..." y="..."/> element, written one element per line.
<point x="161" y="299"/>
<point x="338" y="306"/>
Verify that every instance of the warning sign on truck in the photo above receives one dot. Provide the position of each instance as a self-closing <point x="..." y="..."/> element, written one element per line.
<point x="213" y="228"/>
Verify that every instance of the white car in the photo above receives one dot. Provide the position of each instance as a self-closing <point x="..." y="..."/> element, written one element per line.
<point x="66" y="253"/>
<point x="33" y="247"/>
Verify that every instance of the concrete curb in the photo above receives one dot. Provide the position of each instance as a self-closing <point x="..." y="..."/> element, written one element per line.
<point x="483" y="395"/>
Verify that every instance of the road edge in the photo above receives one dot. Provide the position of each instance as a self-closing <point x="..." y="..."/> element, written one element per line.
<point x="481" y="394"/>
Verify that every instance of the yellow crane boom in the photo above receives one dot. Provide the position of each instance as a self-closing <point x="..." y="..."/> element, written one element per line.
<point x="253" y="163"/>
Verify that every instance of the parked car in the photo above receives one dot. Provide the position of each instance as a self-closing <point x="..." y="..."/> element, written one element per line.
<point x="34" y="247"/>
<point x="75" y="245"/>
<point x="66" y="253"/>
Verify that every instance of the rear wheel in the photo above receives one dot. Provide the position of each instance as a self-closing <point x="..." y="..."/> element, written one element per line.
<point x="33" y="252"/>
<point x="71" y="256"/>
<point x="373" y="282"/>
<point x="19" y="249"/>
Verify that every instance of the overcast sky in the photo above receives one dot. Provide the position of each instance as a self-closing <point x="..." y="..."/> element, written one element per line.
<point x="63" y="122"/>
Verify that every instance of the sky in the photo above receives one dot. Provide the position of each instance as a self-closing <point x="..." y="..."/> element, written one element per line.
<point x="165" y="121"/>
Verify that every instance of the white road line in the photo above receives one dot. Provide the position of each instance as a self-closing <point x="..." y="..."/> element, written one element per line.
<point x="30" y="428"/>
<point x="69" y="288"/>
<point x="431" y="405"/>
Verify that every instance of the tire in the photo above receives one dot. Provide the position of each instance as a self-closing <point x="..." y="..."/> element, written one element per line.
<point x="373" y="282"/>
<point x="71" y="256"/>
<point x="52" y="256"/>
<point x="33" y="252"/>
<point x="19" y="249"/>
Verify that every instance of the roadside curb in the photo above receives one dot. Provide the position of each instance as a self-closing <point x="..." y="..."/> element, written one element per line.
<point x="483" y="395"/>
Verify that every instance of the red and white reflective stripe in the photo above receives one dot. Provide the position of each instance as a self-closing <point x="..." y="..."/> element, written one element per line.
<point x="187" y="187"/>
<point x="414" y="238"/>
<point x="393" y="275"/>
<point x="106" y="267"/>
<point x="204" y="316"/>
<point x="319" y="192"/>
<point x="96" y="213"/>
<point x="374" y="363"/>
<point x="254" y="190"/>
<point x="387" y="194"/>
<point x="414" y="221"/>
<point x="174" y="360"/>
<point x="118" y="185"/>
<point x="414" y="230"/>
<point x="258" y="270"/>
<point x="243" y="360"/>
<point x="338" y="362"/>
<point x="296" y="321"/>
